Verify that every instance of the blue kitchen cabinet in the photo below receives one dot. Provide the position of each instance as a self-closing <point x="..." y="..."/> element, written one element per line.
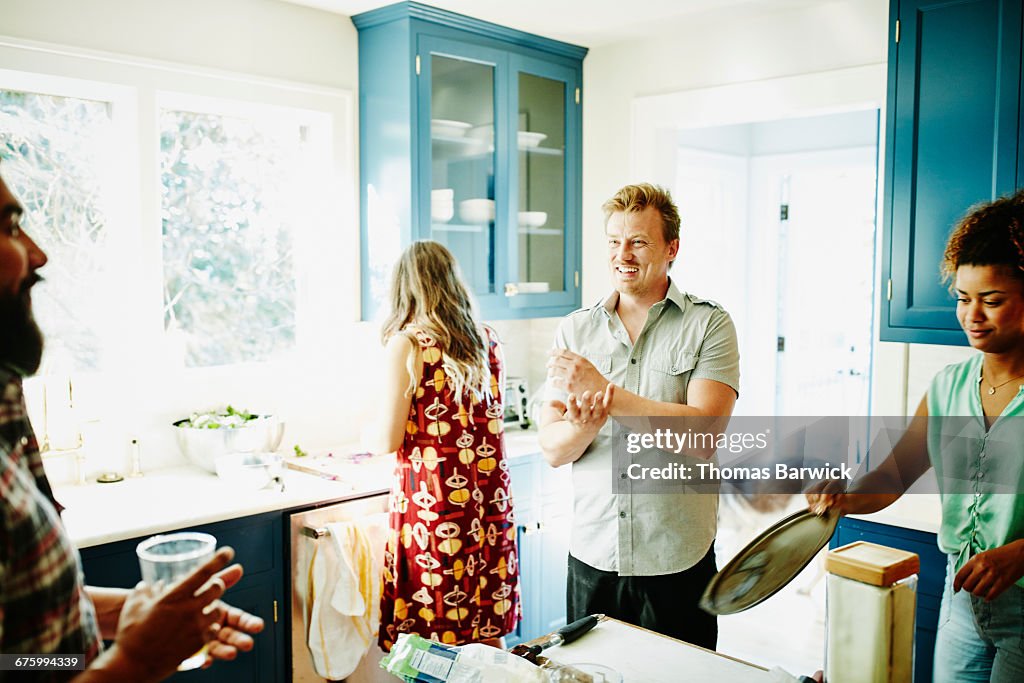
<point x="470" y="135"/>
<point x="258" y="543"/>
<point x="543" y="508"/>
<point x="952" y="140"/>
<point x="930" y="583"/>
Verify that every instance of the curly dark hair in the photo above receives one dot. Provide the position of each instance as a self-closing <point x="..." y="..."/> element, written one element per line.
<point x="991" y="234"/>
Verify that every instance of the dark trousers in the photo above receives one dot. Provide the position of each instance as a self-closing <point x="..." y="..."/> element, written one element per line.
<point x="666" y="604"/>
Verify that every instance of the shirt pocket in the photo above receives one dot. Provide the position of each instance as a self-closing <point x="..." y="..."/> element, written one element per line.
<point x="670" y="375"/>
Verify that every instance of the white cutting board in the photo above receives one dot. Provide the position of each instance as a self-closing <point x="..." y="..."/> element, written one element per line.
<point x="642" y="656"/>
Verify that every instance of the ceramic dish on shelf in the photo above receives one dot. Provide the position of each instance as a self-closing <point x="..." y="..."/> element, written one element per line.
<point x="476" y="210"/>
<point x="442" y="212"/>
<point x="442" y="205"/>
<point x="532" y="219"/>
<point x="528" y="140"/>
<point x="446" y="128"/>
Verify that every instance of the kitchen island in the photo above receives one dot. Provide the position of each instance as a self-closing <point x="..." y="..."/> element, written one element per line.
<point x="643" y="656"/>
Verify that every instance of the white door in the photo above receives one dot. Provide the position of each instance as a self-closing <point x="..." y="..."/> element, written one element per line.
<point x="821" y="207"/>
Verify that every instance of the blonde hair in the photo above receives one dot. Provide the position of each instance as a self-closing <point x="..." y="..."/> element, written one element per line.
<point x="636" y="198"/>
<point x="428" y="295"/>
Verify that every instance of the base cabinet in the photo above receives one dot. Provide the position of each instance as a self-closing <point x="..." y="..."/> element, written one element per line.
<point x="930" y="582"/>
<point x="543" y="505"/>
<point x="257" y="541"/>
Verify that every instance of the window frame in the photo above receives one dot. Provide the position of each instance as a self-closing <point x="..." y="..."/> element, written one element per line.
<point x="138" y="390"/>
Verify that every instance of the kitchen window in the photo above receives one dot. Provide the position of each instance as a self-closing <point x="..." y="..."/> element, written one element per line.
<point x="234" y="182"/>
<point x="194" y="221"/>
<point x="52" y="147"/>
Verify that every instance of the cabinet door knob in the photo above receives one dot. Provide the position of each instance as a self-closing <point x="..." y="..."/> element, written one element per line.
<point x="511" y="289"/>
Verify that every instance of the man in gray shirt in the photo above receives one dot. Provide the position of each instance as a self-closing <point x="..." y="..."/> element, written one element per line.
<point x="647" y="350"/>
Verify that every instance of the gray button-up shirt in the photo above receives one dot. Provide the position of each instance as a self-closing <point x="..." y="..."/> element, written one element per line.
<point x="684" y="338"/>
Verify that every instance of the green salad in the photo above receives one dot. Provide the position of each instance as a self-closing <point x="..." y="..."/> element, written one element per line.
<point x="229" y="418"/>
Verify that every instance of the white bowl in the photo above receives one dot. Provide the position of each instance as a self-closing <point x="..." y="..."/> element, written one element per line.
<point x="445" y="194"/>
<point x="202" y="446"/>
<point x="476" y="210"/>
<point x="446" y="128"/>
<point x="533" y="219"/>
<point x="249" y="470"/>
<point x="527" y="139"/>
<point x="442" y="211"/>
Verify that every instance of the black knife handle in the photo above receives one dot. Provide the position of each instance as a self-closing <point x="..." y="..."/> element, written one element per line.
<point x="571" y="632"/>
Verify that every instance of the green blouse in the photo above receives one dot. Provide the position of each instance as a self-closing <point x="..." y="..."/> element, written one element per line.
<point x="980" y="472"/>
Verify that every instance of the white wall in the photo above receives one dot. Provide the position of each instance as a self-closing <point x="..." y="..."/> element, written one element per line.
<point x="260" y="37"/>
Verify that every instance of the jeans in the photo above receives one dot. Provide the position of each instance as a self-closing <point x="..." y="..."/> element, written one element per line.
<point x="979" y="640"/>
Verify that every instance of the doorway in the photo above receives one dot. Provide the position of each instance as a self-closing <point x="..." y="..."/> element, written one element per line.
<point x="779" y="228"/>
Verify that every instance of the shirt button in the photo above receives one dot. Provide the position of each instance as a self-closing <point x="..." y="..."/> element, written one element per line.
<point x="633" y="361"/>
<point x="622" y="476"/>
<point x="622" y="515"/>
<point x="24" y="441"/>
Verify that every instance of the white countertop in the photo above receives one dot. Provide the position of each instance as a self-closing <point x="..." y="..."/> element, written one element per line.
<point x="642" y="656"/>
<point x="920" y="511"/>
<point x="185" y="496"/>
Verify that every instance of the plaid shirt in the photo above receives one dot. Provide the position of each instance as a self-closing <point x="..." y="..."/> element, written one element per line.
<point x="43" y="607"/>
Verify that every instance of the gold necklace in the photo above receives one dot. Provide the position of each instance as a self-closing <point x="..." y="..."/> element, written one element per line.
<point x="992" y="387"/>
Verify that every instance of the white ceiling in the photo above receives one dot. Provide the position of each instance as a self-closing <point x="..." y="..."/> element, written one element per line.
<point x="583" y="22"/>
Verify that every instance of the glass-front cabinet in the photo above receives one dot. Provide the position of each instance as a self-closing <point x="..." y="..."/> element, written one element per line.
<point x="470" y="136"/>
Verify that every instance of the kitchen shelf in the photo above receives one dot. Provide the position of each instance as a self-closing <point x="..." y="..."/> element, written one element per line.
<point x="540" y="231"/>
<point x="456" y="227"/>
<point x="548" y="151"/>
<point x="461" y="141"/>
<point x="476" y="156"/>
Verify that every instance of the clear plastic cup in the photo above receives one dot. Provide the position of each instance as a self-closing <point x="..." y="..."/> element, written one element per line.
<point x="599" y="673"/>
<point x="166" y="558"/>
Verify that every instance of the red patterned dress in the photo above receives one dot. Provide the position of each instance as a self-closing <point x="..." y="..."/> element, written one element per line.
<point x="450" y="571"/>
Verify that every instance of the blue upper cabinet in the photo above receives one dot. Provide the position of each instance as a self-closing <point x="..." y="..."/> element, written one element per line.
<point x="952" y="122"/>
<point x="470" y="134"/>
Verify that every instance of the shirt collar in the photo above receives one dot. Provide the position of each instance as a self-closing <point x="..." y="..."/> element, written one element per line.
<point x="8" y="376"/>
<point x="673" y="295"/>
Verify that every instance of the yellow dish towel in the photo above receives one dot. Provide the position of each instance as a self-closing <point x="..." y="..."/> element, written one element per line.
<point x="343" y="589"/>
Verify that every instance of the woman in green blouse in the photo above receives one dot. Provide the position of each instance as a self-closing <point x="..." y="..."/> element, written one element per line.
<point x="975" y="441"/>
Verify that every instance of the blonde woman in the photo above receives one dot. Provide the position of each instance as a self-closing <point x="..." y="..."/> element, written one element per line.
<point x="451" y="570"/>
